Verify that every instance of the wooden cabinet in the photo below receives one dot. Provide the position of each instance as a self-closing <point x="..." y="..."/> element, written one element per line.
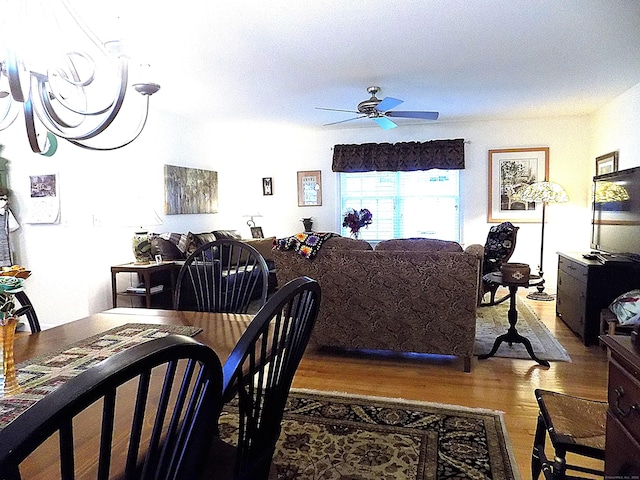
<point x="622" y="450"/>
<point x="587" y="286"/>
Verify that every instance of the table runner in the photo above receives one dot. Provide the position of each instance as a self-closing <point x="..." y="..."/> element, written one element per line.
<point x="42" y="375"/>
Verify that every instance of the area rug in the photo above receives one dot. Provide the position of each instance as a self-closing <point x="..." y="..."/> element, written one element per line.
<point x="328" y="435"/>
<point x="493" y="321"/>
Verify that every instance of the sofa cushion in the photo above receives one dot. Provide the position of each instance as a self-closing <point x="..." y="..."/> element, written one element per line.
<point x="419" y="245"/>
<point x="264" y="246"/>
<point x="346" y="243"/>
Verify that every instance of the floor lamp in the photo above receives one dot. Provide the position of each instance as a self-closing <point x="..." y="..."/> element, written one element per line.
<point x="544" y="192"/>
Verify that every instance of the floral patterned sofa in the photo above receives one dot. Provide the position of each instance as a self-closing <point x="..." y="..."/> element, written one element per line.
<point x="407" y="295"/>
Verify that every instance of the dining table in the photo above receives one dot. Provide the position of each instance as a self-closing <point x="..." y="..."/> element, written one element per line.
<point x="220" y="331"/>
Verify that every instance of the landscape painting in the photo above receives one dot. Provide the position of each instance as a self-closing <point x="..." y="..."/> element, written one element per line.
<point x="190" y="190"/>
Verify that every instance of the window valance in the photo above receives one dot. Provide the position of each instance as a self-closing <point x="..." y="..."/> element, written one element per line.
<point x="399" y="157"/>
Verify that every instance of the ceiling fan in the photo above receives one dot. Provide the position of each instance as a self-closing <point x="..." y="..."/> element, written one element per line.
<point x="379" y="111"/>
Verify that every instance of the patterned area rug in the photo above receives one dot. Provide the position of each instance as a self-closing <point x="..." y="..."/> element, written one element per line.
<point x="337" y="436"/>
<point x="493" y="321"/>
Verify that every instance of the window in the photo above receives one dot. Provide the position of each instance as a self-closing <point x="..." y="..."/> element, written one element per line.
<point x="404" y="204"/>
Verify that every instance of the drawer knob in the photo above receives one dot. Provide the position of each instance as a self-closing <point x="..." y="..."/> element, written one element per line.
<point x="624" y="413"/>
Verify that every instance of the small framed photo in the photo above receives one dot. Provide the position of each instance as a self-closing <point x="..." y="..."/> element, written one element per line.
<point x="309" y="188"/>
<point x="607" y="163"/>
<point x="256" y="232"/>
<point x="267" y="186"/>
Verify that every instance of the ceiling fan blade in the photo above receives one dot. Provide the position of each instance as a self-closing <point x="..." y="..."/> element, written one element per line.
<point x="423" y="115"/>
<point x="385" y="123"/>
<point x="337" y="110"/>
<point x="388" y="103"/>
<point x="342" y="121"/>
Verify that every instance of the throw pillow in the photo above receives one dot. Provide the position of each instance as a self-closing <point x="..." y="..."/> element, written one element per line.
<point x="165" y="248"/>
<point x="226" y="234"/>
<point x="195" y="240"/>
<point x="627" y="308"/>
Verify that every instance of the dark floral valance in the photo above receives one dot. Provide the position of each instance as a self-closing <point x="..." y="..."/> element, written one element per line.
<point x="399" y="157"/>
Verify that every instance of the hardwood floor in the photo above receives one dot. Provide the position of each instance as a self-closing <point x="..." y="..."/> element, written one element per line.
<point x="496" y="383"/>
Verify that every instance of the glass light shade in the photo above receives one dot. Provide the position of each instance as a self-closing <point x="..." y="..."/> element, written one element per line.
<point x="545" y="192"/>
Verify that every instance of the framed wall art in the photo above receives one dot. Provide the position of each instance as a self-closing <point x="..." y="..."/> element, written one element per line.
<point x="607" y="163"/>
<point x="267" y="186"/>
<point x="510" y="171"/>
<point x="190" y="190"/>
<point x="256" y="232"/>
<point x="309" y="188"/>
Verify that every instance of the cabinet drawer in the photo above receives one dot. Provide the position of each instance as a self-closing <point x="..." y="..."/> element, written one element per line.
<point x="622" y="453"/>
<point x="574" y="269"/>
<point x="624" y="397"/>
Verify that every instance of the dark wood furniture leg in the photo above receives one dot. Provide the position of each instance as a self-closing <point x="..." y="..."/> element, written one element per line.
<point x="512" y="336"/>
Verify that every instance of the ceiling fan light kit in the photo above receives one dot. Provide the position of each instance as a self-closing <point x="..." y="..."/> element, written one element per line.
<point x="379" y="111"/>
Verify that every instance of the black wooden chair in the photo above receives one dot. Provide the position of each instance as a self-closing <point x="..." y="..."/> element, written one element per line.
<point x="574" y="425"/>
<point x="222" y="276"/>
<point x="259" y="372"/>
<point x="171" y="405"/>
<point x="500" y="244"/>
<point x="26" y="309"/>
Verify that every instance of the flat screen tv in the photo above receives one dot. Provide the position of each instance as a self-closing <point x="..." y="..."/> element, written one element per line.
<point x="616" y="213"/>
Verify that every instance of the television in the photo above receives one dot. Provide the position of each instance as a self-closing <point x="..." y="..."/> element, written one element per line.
<point x="616" y="213"/>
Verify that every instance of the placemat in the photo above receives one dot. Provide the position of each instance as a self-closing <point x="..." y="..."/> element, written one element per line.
<point x="42" y="375"/>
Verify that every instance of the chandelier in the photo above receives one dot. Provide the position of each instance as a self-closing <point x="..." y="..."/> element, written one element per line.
<point x="68" y="84"/>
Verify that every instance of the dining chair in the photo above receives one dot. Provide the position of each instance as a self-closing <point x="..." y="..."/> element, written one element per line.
<point x="222" y="276"/>
<point x="146" y="412"/>
<point x="573" y="425"/>
<point x="259" y="373"/>
<point x="26" y="308"/>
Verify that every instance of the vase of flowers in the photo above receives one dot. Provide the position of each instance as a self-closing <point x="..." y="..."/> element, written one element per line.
<point x="9" y="286"/>
<point x="355" y="220"/>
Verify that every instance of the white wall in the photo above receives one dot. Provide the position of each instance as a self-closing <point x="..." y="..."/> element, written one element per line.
<point x="616" y="126"/>
<point x="70" y="261"/>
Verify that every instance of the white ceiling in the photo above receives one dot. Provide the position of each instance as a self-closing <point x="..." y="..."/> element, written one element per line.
<point x="239" y="60"/>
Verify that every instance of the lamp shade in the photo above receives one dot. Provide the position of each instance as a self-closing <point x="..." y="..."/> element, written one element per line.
<point x="545" y="192"/>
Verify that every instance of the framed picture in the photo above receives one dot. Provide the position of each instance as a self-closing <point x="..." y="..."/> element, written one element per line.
<point x="309" y="188"/>
<point x="190" y="190"/>
<point x="256" y="232"/>
<point x="267" y="186"/>
<point x="511" y="170"/>
<point x="607" y="163"/>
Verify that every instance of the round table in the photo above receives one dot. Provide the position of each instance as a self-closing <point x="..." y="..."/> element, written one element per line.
<point x="512" y="336"/>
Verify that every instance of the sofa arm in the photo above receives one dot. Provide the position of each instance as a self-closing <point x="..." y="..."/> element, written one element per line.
<point x="475" y="249"/>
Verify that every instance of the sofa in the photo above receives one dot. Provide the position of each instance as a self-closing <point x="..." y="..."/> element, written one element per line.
<point x="406" y="295"/>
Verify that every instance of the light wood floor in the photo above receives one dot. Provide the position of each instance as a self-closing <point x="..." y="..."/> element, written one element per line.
<point x="496" y="383"/>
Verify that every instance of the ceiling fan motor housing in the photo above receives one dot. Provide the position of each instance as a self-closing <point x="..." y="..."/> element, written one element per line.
<point x="368" y="107"/>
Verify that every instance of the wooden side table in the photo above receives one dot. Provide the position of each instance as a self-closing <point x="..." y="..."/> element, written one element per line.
<point x="512" y="335"/>
<point x="146" y="271"/>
